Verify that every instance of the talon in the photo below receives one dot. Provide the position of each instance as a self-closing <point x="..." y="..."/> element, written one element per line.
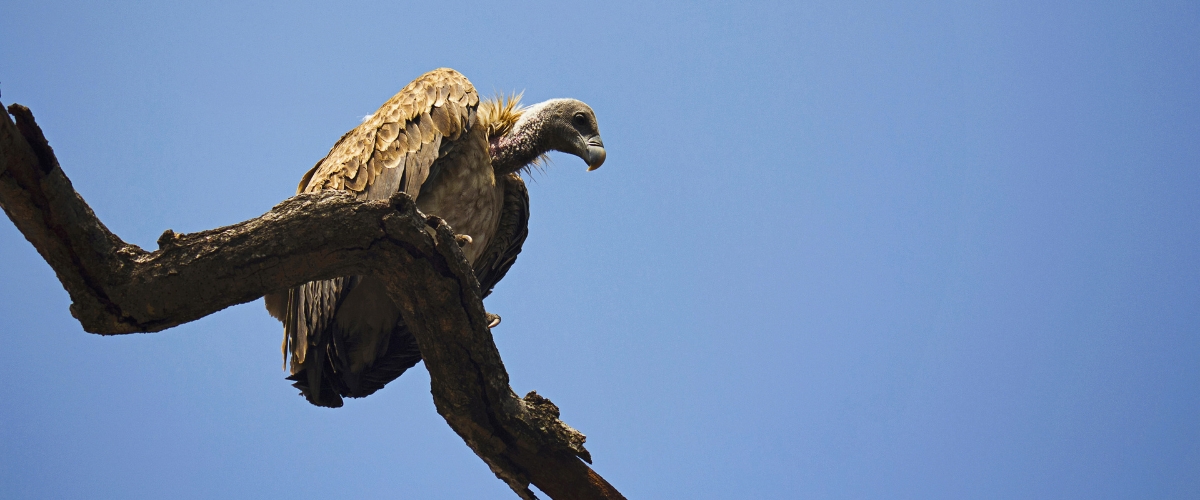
<point x="493" y="320"/>
<point x="463" y="239"/>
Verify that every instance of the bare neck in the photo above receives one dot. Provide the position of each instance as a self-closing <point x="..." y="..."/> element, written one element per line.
<point x="511" y="153"/>
<point x="528" y="140"/>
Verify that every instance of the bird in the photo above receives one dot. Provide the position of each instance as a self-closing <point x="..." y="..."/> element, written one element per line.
<point x="460" y="158"/>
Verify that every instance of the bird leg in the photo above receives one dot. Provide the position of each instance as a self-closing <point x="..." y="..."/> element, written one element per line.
<point x="464" y="240"/>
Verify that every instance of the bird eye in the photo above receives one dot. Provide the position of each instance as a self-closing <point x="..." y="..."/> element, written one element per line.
<point x="580" y="120"/>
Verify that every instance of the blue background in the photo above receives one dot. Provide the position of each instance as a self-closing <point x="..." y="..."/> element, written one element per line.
<point x="839" y="249"/>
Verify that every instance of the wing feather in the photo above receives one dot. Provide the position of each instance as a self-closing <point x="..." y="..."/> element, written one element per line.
<point x="388" y="181"/>
<point x="430" y="94"/>
<point x="511" y="231"/>
<point x="428" y="128"/>
<point x="417" y="164"/>
<point x="385" y="135"/>
<point x="440" y="117"/>
<point x="440" y="98"/>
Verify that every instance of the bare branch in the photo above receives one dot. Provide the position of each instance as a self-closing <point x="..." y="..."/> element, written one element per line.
<point x="119" y="288"/>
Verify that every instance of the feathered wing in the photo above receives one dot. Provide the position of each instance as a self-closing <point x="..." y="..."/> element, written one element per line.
<point x="392" y="150"/>
<point x="500" y="254"/>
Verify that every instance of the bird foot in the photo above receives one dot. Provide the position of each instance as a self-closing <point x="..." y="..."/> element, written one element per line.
<point x="463" y="239"/>
<point x="493" y="320"/>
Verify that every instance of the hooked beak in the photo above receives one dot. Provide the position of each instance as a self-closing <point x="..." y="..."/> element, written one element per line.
<point x="595" y="153"/>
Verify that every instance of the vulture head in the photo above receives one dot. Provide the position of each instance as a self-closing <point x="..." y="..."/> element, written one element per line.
<point x="566" y="125"/>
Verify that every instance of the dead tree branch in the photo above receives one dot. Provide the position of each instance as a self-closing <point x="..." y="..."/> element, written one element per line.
<point x="119" y="288"/>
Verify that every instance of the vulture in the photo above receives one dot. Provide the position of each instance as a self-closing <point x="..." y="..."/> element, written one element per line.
<point x="460" y="159"/>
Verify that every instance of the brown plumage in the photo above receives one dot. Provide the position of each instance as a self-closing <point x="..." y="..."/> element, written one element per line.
<point x="459" y="158"/>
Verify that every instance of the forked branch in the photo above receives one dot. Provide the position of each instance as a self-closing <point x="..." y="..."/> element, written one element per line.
<point x="119" y="288"/>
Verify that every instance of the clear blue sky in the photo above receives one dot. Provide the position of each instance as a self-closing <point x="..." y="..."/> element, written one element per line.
<point x="839" y="249"/>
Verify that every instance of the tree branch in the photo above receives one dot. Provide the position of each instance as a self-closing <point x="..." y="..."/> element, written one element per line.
<point x="119" y="288"/>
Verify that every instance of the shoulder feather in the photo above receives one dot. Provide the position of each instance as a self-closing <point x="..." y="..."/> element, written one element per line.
<point x="500" y="113"/>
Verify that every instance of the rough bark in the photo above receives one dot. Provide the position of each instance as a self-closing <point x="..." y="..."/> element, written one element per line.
<point x="119" y="288"/>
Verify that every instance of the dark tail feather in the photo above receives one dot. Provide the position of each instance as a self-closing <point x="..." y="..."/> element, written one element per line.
<point x="326" y="395"/>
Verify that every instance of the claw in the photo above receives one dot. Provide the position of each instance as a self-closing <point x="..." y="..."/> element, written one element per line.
<point x="493" y="320"/>
<point x="463" y="239"/>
